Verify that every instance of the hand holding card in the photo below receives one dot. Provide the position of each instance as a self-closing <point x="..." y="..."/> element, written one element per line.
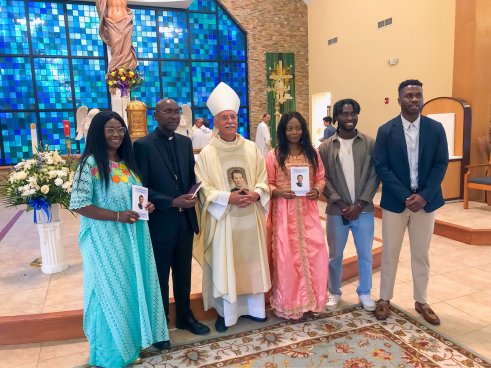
<point x="140" y="200"/>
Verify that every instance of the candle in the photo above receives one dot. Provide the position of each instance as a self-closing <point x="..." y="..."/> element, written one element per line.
<point x="66" y="128"/>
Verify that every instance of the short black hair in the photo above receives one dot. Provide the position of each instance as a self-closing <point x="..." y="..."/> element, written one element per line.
<point x="409" y="82"/>
<point x="338" y="107"/>
<point x="236" y="172"/>
<point x="265" y="115"/>
<point x="206" y="123"/>
<point x="141" y="197"/>
<point x="299" y="176"/>
<point x="327" y="119"/>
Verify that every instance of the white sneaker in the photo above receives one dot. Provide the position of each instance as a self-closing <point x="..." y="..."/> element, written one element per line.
<point x="333" y="301"/>
<point x="367" y="302"/>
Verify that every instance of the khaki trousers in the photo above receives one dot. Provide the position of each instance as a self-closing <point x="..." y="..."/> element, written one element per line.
<point x="420" y="227"/>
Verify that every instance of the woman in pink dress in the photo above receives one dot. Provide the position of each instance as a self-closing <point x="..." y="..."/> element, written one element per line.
<point x="298" y="253"/>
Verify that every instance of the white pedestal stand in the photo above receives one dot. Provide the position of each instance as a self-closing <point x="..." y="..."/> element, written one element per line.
<point x="52" y="251"/>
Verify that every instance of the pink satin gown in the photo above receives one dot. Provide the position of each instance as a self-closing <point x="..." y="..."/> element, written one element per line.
<point x="297" y="248"/>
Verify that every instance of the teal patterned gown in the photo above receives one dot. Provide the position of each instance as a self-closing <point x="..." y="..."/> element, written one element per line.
<point x="123" y="309"/>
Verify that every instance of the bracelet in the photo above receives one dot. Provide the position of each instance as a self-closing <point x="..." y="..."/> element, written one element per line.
<point x="117" y="219"/>
<point x="359" y="205"/>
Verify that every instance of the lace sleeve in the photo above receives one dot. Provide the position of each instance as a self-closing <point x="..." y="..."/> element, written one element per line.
<point x="82" y="187"/>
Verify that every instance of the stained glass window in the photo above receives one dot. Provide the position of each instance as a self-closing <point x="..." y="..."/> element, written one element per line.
<point x="16" y="89"/>
<point x="173" y="33"/>
<point x="48" y="33"/>
<point x="234" y="74"/>
<point x="51" y="124"/>
<point x="145" y="33"/>
<point x="13" y="28"/>
<point x="152" y="124"/>
<point x="203" y="5"/>
<point x="149" y="92"/>
<point x="83" y="26"/>
<point x="205" y="79"/>
<point x="53" y="83"/>
<point x="16" y="135"/>
<point x="176" y="81"/>
<point x="203" y="36"/>
<point x="90" y="87"/>
<point x="182" y="54"/>
<point x="232" y="39"/>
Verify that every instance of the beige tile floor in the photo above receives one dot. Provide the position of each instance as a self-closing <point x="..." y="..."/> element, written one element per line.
<point x="459" y="291"/>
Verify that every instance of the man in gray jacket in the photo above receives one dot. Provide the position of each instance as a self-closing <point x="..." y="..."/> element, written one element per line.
<point x="351" y="183"/>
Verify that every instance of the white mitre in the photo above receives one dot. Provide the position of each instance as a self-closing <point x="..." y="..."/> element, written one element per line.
<point x="223" y="98"/>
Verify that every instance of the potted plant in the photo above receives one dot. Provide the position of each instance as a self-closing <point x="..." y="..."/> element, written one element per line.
<point x="43" y="183"/>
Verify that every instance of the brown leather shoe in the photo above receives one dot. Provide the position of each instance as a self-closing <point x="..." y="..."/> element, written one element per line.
<point x="427" y="313"/>
<point x="383" y="309"/>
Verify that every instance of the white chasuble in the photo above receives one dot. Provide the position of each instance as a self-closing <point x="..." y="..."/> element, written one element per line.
<point x="231" y="246"/>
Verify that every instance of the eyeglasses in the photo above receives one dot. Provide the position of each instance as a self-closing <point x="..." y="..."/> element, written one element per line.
<point x="111" y="131"/>
<point x="170" y="112"/>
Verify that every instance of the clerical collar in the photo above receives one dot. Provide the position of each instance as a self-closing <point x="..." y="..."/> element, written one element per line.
<point x="163" y="135"/>
<point x="233" y="143"/>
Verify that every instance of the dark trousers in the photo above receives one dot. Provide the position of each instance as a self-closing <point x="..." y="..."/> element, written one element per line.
<point x="175" y="251"/>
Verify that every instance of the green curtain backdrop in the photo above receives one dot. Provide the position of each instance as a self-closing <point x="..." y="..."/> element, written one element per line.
<point x="288" y="63"/>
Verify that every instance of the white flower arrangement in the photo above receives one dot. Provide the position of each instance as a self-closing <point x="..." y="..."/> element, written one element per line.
<point x="46" y="175"/>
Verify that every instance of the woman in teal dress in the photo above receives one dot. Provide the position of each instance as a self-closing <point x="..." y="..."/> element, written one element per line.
<point x="123" y="309"/>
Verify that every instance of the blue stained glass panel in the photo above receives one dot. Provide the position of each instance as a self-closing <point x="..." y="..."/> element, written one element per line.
<point x="205" y="79"/>
<point x="48" y="33"/>
<point x="90" y="85"/>
<point x="176" y="81"/>
<point x="234" y="74"/>
<point x="83" y="25"/>
<point x="149" y="92"/>
<point x="53" y="83"/>
<point x="203" y="28"/>
<point x="173" y="34"/>
<point x="203" y="5"/>
<point x="145" y="33"/>
<point x="16" y="135"/>
<point x="152" y="124"/>
<point x="13" y="28"/>
<point x="232" y="39"/>
<point x="16" y="87"/>
<point x="243" y="123"/>
<point x="52" y="133"/>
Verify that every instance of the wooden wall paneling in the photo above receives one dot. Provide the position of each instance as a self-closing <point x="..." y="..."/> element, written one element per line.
<point x="451" y="182"/>
<point x="463" y="128"/>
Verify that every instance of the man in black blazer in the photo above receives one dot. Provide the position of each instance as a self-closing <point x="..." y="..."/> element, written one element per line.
<point x="410" y="158"/>
<point x="166" y="162"/>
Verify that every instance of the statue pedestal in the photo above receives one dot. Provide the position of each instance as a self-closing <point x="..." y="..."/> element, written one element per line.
<point x="119" y="104"/>
<point x="52" y="251"/>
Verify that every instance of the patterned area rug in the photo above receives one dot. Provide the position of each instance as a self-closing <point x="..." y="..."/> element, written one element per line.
<point x="350" y="338"/>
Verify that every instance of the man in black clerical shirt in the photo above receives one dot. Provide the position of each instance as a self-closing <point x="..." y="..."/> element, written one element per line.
<point x="166" y="162"/>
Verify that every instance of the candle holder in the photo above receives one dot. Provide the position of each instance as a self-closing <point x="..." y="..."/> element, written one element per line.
<point x="68" y="142"/>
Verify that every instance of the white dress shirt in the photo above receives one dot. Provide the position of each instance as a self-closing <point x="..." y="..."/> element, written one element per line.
<point x="411" y="132"/>
<point x="348" y="165"/>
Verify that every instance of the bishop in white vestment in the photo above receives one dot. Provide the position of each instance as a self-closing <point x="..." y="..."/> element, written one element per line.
<point x="234" y="201"/>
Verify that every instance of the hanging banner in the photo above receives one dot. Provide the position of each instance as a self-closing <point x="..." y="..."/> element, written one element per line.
<point x="280" y="74"/>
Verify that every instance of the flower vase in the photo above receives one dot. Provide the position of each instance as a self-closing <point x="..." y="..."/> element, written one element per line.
<point x="51" y="244"/>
